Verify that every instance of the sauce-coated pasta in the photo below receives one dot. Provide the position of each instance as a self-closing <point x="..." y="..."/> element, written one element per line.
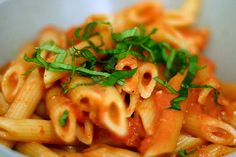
<point x="131" y="84"/>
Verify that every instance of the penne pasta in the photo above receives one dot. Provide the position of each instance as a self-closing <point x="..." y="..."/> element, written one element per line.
<point x="140" y="13"/>
<point x="144" y="12"/>
<point x="95" y="98"/>
<point x="229" y="114"/>
<point x="35" y="150"/>
<point x="197" y="39"/>
<point x="146" y="84"/>
<point x="131" y="84"/>
<point x="35" y="116"/>
<point x="85" y="97"/>
<point x="50" y="77"/>
<point x="209" y="128"/>
<point x="27" y="49"/>
<point x="147" y="111"/>
<point x="23" y="105"/>
<point x="166" y="134"/>
<point x="185" y="16"/>
<point x="175" y="81"/>
<point x="213" y="150"/>
<point x="25" y="130"/>
<point x="12" y="81"/>
<point x="131" y="101"/>
<point x="113" y="105"/>
<point x="3" y="105"/>
<point x="84" y="132"/>
<point x="186" y="142"/>
<point x="129" y="63"/>
<point x="51" y="33"/>
<point x="57" y="105"/>
<point x="107" y="151"/>
<point x="55" y="35"/>
<point x="205" y="92"/>
<point x="168" y="34"/>
<point x="66" y="153"/>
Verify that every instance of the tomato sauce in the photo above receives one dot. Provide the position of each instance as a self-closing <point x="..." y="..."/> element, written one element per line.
<point x="135" y="133"/>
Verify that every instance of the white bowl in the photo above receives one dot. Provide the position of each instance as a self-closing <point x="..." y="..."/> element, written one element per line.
<point x="20" y="21"/>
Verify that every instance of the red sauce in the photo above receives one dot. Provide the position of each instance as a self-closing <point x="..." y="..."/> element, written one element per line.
<point x="80" y="115"/>
<point x="162" y="99"/>
<point x="146" y="143"/>
<point x="135" y="133"/>
<point x="210" y="107"/>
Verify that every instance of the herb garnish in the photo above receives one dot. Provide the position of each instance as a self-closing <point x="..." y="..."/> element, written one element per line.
<point x="29" y="71"/>
<point x="133" y="42"/>
<point x="183" y="92"/>
<point x="216" y="92"/>
<point x="192" y="62"/>
<point x="64" y="118"/>
<point x="184" y="153"/>
<point x="165" y="83"/>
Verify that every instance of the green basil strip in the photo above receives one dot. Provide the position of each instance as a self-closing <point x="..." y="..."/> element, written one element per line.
<point x="183" y="93"/>
<point x="216" y="92"/>
<point x="165" y="84"/>
<point x="126" y="34"/>
<point x="63" y="118"/>
<point x="118" y="75"/>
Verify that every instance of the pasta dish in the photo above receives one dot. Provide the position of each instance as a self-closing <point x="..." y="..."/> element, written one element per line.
<point x="131" y="84"/>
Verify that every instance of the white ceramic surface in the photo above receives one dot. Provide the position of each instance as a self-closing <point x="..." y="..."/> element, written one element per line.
<point x="20" y="21"/>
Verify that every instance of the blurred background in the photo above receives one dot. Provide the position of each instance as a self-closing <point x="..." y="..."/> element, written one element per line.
<point x="21" y="20"/>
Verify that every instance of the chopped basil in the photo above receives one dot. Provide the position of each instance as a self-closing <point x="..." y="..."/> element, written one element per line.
<point x="216" y="92"/>
<point x="182" y="153"/>
<point x="77" y="33"/>
<point x="134" y="32"/>
<point x="91" y="59"/>
<point x="133" y="41"/>
<point x="165" y="84"/>
<point x="30" y="70"/>
<point x="183" y="92"/>
<point x="50" y="46"/>
<point x="63" y="118"/>
<point x="88" y="30"/>
<point x="118" y="75"/>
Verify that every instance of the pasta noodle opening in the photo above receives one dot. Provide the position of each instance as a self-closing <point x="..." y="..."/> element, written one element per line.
<point x="146" y="79"/>
<point x="12" y="82"/>
<point x="126" y="68"/>
<point x="220" y="134"/>
<point x="113" y="111"/>
<point x="85" y="101"/>
<point x="127" y="99"/>
<point x="84" y="132"/>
